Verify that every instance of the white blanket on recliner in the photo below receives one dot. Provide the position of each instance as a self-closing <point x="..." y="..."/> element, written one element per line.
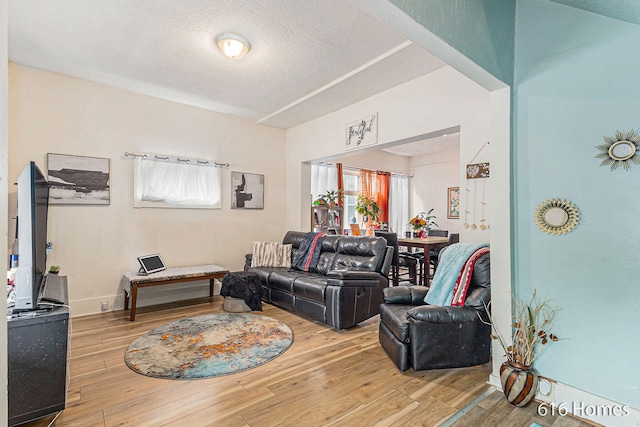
<point x="451" y="262"/>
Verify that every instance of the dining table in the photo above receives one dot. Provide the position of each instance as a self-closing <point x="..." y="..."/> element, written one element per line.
<point x="424" y="243"/>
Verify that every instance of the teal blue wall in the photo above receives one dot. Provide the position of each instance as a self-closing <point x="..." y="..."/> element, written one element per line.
<point x="577" y="79"/>
<point x="482" y="30"/>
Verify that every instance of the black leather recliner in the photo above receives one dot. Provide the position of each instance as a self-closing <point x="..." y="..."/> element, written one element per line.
<point x="344" y="289"/>
<point x="422" y="336"/>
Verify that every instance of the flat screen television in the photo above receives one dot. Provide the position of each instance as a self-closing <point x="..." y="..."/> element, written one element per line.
<point x="33" y="206"/>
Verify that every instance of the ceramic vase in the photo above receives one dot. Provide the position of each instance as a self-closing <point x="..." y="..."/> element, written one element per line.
<point x="519" y="383"/>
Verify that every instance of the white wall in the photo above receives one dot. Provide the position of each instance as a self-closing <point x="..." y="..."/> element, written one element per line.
<point x="500" y="201"/>
<point x="440" y="100"/>
<point x="4" y="116"/>
<point x="94" y="245"/>
<point x="431" y="175"/>
<point x="376" y="160"/>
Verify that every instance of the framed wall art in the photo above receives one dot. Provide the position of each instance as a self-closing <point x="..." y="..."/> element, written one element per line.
<point x="361" y="133"/>
<point x="78" y="180"/>
<point x="453" y="202"/>
<point x="247" y="190"/>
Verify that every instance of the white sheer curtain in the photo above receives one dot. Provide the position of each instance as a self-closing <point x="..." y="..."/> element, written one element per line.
<point x="178" y="184"/>
<point x="324" y="177"/>
<point x="399" y="204"/>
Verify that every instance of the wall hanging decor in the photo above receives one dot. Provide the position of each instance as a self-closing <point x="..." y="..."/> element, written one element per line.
<point x="478" y="170"/>
<point x="453" y="202"/>
<point x="78" y="180"/>
<point x="362" y="132"/>
<point x="556" y="216"/>
<point x="475" y="199"/>
<point x="247" y="190"/>
<point x="619" y="150"/>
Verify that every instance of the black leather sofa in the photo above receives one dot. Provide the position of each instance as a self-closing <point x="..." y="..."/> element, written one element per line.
<point x="343" y="290"/>
<point x="423" y="336"/>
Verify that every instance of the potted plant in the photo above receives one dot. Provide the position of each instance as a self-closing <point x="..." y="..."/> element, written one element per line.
<point x="422" y="223"/>
<point x="531" y="331"/>
<point x="54" y="269"/>
<point x="367" y="207"/>
<point x="320" y="201"/>
<point x="332" y="197"/>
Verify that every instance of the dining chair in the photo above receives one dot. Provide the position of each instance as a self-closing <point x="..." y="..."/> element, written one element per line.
<point x="434" y="254"/>
<point x="435" y="232"/>
<point x="419" y="256"/>
<point x="398" y="260"/>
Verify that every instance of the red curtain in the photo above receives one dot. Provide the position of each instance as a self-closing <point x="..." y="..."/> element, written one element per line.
<point x="383" y="181"/>
<point x="375" y="184"/>
<point x="340" y="182"/>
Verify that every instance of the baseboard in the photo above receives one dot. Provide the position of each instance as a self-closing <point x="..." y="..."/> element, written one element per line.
<point x="563" y="399"/>
<point x="146" y="296"/>
<point x="494" y="380"/>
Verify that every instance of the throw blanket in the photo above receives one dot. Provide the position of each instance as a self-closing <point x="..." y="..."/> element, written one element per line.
<point x="243" y="285"/>
<point x="462" y="284"/>
<point x="308" y="253"/>
<point x="451" y="263"/>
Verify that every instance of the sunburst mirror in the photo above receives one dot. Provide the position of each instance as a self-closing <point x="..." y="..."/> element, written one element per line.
<point x="556" y="216"/>
<point x="619" y="150"/>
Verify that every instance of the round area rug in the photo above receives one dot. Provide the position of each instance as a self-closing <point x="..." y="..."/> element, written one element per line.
<point x="208" y="346"/>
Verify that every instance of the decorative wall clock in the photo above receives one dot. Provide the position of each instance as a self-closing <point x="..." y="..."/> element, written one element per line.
<point x="619" y="150"/>
<point x="556" y="216"/>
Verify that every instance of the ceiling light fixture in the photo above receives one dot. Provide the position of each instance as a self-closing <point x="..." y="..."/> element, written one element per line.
<point x="232" y="45"/>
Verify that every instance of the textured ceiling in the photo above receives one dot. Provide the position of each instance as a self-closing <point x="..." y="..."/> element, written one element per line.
<point x="423" y="147"/>
<point x="308" y="58"/>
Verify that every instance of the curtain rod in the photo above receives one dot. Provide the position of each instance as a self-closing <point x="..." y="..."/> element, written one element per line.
<point x="175" y="159"/>
<point x="353" y="168"/>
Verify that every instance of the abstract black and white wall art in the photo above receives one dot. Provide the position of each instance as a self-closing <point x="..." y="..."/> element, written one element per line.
<point x="78" y="180"/>
<point x="247" y="190"/>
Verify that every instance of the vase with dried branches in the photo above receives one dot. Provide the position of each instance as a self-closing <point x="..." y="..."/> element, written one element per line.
<point x="531" y="330"/>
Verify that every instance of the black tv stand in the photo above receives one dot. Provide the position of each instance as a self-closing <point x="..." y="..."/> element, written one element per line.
<point x="37" y="359"/>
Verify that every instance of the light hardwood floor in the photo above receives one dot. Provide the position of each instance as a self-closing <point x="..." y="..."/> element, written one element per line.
<point x="326" y="378"/>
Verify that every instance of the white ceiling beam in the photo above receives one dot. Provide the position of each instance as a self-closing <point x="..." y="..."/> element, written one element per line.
<point x="337" y="81"/>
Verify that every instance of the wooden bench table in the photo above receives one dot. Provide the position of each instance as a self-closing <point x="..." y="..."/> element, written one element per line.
<point x="130" y="282"/>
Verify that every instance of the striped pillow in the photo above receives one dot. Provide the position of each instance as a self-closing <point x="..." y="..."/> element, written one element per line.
<point x="271" y="254"/>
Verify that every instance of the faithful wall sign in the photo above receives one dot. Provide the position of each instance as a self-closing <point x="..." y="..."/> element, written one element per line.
<point x="362" y="132"/>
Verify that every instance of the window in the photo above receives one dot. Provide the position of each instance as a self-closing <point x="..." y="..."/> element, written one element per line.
<point x="351" y="182"/>
<point x="324" y="177"/>
<point x="168" y="182"/>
